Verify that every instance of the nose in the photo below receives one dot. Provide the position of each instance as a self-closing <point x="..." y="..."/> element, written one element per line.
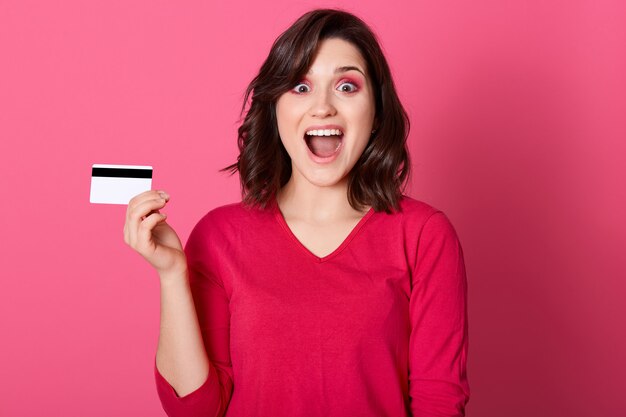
<point x="322" y="105"/>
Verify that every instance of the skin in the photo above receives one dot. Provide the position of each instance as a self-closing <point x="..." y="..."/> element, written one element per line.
<point x="181" y="357"/>
<point x="314" y="202"/>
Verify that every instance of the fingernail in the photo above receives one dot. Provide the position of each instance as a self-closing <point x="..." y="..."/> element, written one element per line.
<point x="164" y="195"/>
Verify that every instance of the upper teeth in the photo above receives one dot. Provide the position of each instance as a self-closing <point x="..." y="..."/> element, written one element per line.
<point x="324" y="132"/>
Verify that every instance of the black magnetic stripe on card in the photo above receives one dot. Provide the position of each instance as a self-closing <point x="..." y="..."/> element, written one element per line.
<point x="121" y="173"/>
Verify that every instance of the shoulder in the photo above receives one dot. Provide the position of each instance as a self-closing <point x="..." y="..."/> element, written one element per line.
<point x="430" y="236"/>
<point x="231" y="217"/>
<point x="222" y="227"/>
<point x="423" y="218"/>
<point x="410" y="206"/>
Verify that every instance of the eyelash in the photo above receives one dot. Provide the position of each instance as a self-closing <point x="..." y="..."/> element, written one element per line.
<point x="354" y="85"/>
<point x="295" y="89"/>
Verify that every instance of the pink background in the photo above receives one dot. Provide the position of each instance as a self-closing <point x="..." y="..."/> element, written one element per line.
<point x="518" y="133"/>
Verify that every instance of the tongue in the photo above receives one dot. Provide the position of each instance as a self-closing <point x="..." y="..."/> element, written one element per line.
<point x="324" y="145"/>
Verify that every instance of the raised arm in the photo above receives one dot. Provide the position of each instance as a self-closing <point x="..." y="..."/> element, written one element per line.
<point x="185" y="383"/>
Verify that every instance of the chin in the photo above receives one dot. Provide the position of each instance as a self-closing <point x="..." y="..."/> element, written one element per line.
<point x="326" y="180"/>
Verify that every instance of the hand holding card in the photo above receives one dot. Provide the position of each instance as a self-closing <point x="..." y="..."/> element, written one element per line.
<point x="145" y="230"/>
<point x="148" y="233"/>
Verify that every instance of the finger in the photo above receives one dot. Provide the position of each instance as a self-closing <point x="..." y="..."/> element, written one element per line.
<point x="146" y="195"/>
<point x="141" y="212"/>
<point x="131" y="223"/>
<point x="145" y="229"/>
<point x="147" y="204"/>
<point x="143" y="197"/>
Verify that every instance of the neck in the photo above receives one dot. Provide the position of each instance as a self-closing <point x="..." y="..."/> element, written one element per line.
<point x="315" y="204"/>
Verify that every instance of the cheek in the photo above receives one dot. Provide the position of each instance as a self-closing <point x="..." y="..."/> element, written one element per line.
<point x="287" y="126"/>
<point x="286" y="117"/>
<point x="281" y="119"/>
<point x="363" y="109"/>
<point x="363" y="115"/>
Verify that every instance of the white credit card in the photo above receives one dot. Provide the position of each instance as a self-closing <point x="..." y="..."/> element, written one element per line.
<point x="117" y="184"/>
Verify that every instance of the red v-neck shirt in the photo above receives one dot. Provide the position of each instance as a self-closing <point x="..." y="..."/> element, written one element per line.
<point x="378" y="327"/>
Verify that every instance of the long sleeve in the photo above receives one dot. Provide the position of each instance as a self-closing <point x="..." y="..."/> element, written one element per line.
<point x="438" y="343"/>
<point x="212" y="307"/>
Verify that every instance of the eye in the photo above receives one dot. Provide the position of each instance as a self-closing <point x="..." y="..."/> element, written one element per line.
<point x="347" y="87"/>
<point x="301" y="88"/>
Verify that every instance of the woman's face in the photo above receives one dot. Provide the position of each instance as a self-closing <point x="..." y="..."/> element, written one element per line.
<point x="325" y="121"/>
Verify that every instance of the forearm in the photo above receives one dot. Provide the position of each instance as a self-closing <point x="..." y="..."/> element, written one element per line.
<point x="181" y="356"/>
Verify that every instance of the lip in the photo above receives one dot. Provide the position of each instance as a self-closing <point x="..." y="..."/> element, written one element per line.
<point x="328" y="159"/>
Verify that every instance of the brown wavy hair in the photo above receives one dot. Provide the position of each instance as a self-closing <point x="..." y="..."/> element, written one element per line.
<point x="379" y="176"/>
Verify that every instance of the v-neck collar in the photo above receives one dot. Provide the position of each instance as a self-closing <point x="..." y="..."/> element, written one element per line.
<point x="283" y="223"/>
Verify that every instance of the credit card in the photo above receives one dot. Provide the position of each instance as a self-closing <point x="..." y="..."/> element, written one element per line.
<point x="117" y="184"/>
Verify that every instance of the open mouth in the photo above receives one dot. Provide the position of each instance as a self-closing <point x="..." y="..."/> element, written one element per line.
<point x="323" y="143"/>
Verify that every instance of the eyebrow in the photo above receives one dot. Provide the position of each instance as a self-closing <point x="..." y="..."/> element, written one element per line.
<point x="348" y="68"/>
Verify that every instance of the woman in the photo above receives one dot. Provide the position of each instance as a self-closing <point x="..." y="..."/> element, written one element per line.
<point x="326" y="291"/>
